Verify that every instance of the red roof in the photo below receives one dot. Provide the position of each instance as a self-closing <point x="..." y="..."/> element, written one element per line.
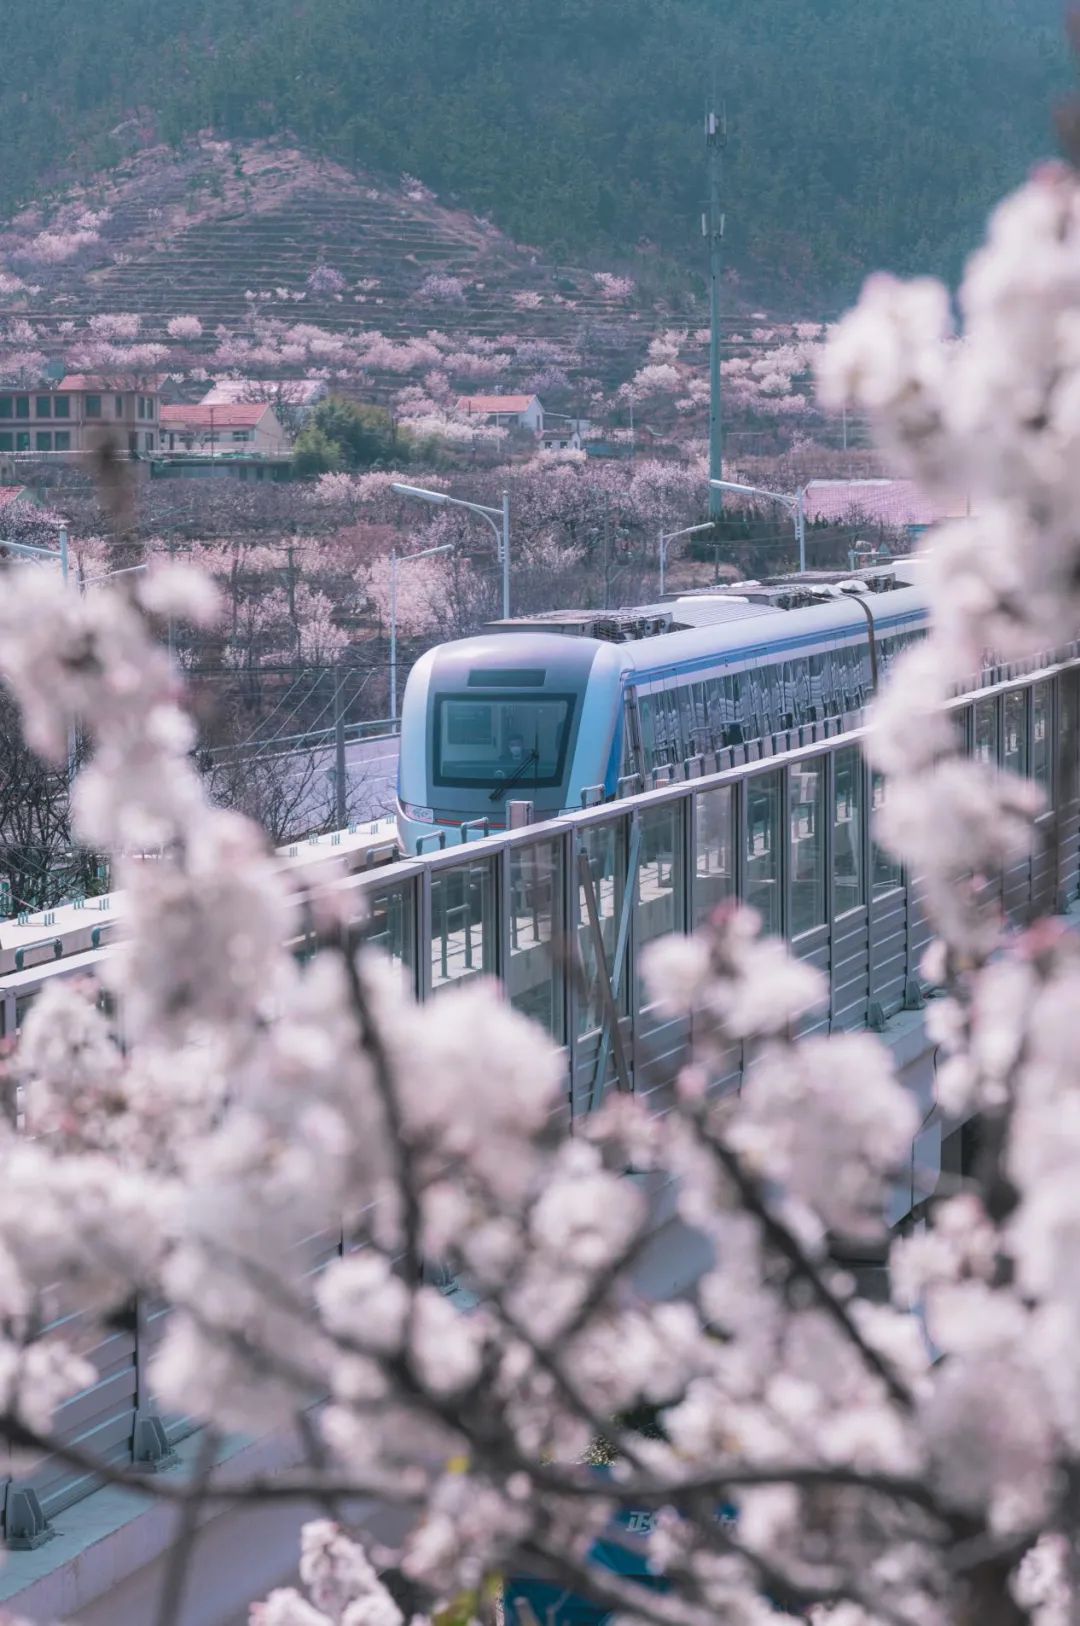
<point x="9" y="494"/>
<point x="495" y="403"/>
<point x="882" y="502"/>
<point x="226" y="415"/>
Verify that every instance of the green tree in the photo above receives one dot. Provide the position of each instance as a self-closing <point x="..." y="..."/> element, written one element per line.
<point x="315" y="453"/>
<point x="364" y="434"/>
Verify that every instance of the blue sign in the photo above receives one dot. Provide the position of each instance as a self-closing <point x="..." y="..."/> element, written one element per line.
<point x="552" y="1605"/>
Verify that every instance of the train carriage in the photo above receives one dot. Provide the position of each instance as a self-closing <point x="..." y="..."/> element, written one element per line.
<point x="537" y="716"/>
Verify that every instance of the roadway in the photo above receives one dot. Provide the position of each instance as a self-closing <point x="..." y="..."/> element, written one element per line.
<point x="371" y="770"/>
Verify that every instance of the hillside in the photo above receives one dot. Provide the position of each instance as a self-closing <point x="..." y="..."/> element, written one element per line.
<point x="253" y="258"/>
<point x="860" y="135"/>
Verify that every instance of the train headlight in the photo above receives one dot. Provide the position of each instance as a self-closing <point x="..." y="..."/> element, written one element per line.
<point x="423" y="815"/>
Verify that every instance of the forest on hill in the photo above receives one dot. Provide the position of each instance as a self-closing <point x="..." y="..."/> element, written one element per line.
<point x="860" y="134"/>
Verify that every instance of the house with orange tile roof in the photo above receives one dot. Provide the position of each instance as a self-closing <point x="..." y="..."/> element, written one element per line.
<point x="218" y="429"/>
<point x="506" y="411"/>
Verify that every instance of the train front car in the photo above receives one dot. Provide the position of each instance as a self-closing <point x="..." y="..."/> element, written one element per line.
<point x="531" y="717"/>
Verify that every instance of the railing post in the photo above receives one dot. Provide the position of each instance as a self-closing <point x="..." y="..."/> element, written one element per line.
<point x="150" y="1448"/>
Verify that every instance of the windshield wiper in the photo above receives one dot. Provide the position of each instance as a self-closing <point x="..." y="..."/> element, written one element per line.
<point x="500" y="790"/>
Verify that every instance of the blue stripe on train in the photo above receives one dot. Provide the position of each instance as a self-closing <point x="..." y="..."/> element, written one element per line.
<point x="632" y="676"/>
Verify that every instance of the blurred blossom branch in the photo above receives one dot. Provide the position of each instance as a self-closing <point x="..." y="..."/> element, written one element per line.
<point x="881" y="1464"/>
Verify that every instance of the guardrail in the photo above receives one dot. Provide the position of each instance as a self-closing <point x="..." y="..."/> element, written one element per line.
<point x="388" y="728"/>
<point x="563" y="911"/>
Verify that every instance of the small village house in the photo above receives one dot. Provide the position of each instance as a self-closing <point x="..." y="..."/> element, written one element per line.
<point x="300" y="396"/>
<point x="505" y="411"/>
<point x="251" y="427"/>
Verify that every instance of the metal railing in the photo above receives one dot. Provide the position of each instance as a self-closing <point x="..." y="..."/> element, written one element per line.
<point x="563" y="912"/>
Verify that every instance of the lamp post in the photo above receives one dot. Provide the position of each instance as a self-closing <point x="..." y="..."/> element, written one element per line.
<point x="795" y="505"/>
<point x="424" y="553"/>
<point x="667" y="537"/>
<point x="497" y="518"/>
<point x="32" y="551"/>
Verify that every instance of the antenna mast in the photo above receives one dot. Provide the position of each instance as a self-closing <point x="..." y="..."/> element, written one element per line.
<point x="712" y="226"/>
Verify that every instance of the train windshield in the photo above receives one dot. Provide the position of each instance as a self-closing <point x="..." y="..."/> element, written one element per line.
<point x="492" y="740"/>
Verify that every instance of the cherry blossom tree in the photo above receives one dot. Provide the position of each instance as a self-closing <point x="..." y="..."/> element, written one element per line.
<point x="325" y="283"/>
<point x="913" y="1462"/>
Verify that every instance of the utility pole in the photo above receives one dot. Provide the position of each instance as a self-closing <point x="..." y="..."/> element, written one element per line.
<point x="713" y="229"/>
<point x="290" y="588"/>
<point x="339" y="750"/>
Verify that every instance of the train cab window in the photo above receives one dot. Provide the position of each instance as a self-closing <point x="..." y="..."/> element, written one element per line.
<point x="847" y="831"/>
<point x="494" y="739"/>
<point x="1041" y="761"/>
<point x="763" y="840"/>
<point x="1015" y="731"/>
<point x="887" y="871"/>
<point x="806" y="810"/>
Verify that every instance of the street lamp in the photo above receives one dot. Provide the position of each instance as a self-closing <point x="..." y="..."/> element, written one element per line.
<point x="667" y="537"/>
<point x="497" y="518"/>
<point x="424" y="553"/>
<point x="795" y="505"/>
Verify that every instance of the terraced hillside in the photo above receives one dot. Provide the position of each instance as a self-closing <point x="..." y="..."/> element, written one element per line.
<point x="202" y="231"/>
<point x="292" y="265"/>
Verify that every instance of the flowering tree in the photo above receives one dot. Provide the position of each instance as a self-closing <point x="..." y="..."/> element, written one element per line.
<point x="883" y="1465"/>
<point x="613" y="287"/>
<point x="323" y="282"/>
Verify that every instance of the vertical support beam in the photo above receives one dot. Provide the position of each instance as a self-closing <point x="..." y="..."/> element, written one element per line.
<point x="340" y="810"/>
<point x="571" y="960"/>
<point x="393" y="635"/>
<point x="715" y="141"/>
<point x="622" y="942"/>
<point x="505" y="550"/>
<point x="423" y="937"/>
<point x="604" y="978"/>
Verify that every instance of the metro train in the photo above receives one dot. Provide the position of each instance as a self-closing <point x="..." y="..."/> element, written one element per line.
<point x="531" y="714"/>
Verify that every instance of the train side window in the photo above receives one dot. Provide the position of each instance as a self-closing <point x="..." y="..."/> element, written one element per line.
<point x="806" y="831"/>
<point x="735" y="684"/>
<point x="628" y="764"/>
<point x="763" y="839"/>
<point x="847" y="831"/>
<point x="647" y="717"/>
<point x="684" y="702"/>
<point x="772" y="698"/>
<point x="1015" y="753"/>
<point x="818" y="705"/>
<point x="787" y="694"/>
